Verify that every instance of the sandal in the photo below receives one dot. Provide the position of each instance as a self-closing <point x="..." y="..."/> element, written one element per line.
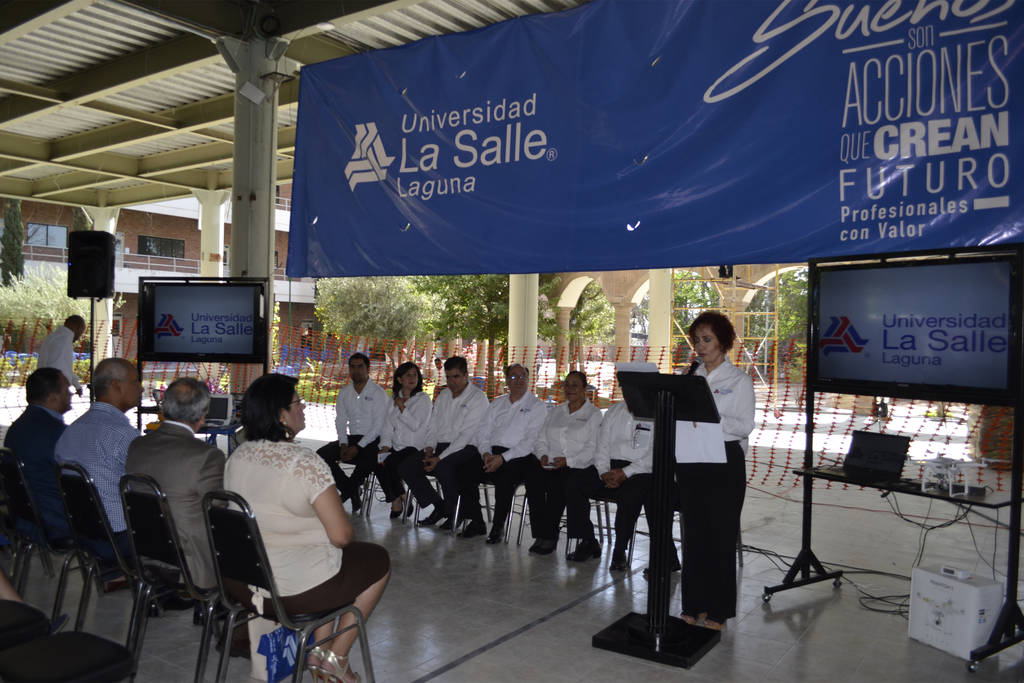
<point x="335" y="668"/>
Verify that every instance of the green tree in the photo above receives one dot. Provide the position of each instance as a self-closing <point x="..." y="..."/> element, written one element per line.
<point x="691" y="295"/>
<point x="382" y="307"/>
<point x="468" y="306"/>
<point x="42" y="294"/>
<point x="12" y="261"/>
<point x="592" y="320"/>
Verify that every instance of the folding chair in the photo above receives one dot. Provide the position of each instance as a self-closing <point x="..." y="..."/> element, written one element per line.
<point x="241" y="558"/>
<point x="28" y="653"/>
<point x="24" y="516"/>
<point x="154" y="536"/>
<point x="89" y="525"/>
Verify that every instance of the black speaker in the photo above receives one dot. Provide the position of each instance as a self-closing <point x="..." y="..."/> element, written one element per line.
<point x="90" y="264"/>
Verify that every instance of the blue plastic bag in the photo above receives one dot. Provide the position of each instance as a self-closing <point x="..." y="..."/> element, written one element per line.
<point x="280" y="647"/>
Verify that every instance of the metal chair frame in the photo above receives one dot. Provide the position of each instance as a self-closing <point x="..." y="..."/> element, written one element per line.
<point x="154" y="536"/>
<point x="21" y="505"/>
<point x="240" y="555"/>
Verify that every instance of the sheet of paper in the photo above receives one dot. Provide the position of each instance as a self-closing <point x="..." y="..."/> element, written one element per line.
<point x="699" y="442"/>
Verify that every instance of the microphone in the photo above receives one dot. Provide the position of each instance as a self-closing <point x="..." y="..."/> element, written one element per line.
<point x="697" y="362"/>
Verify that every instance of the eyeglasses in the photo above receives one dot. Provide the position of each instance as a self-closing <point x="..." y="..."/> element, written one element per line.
<point x="513" y="378"/>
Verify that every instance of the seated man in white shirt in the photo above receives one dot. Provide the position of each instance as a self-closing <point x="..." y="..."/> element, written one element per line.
<point x="459" y="411"/>
<point x="506" y="442"/>
<point x="621" y="472"/>
<point x="360" y="413"/>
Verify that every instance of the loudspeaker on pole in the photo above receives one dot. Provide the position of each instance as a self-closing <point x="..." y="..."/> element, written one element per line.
<point x="90" y="264"/>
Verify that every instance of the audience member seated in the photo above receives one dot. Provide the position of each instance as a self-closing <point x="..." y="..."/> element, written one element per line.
<point x="185" y="467"/>
<point x="458" y="413"/>
<point x="506" y="441"/>
<point x="405" y="427"/>
<point x="621" y="472"/>
<point x="566" y="442"/>
<point x="33" y="437"/>
<point x="360" y="412"/>
<point x="310" y="543"/>
<point x="99" y="440"/>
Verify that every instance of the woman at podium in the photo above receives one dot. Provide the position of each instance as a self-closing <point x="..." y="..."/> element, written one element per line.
<point x="711" y="492"/>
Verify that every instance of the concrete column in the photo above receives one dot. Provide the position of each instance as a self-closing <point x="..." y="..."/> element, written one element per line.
<point x="522" y="318"/>
<point x="623" y="309"/>
<point x="659" y="330"/>
<point x="562" y="317"/>
<point x="212" y="205"/>
<point x="103" y="219"/>
<point x="259" y="67"/>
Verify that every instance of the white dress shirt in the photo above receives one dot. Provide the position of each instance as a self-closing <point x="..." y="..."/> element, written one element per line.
<point x="622" y="437"/>
<point x="572" y="436"/>
<point x="456" y="421"/>
<point x="407" y="428"/>
<point x="512" y="425"/>
<point x="56" y="351"/>
<point x="361" y="413"/>
<point x="733" y="391"/>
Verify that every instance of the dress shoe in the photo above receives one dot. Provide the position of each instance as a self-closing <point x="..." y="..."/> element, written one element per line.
<point x="543" y="546"/>
<point x="357" y="502"/>
<point x="174" y="603"/>
<point x="674" y="566"/>
<point x="619" y="562"/>
<point x="474" y="528"/>
<point x="434" y="517"/>
<point x="446" y="525"/>
<point x="586" y="549"/>
<point x="494" y="537"/>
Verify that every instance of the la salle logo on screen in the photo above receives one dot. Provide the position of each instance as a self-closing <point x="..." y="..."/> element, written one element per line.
<point x="167" y="327"/>
<point x="841" y="337"/>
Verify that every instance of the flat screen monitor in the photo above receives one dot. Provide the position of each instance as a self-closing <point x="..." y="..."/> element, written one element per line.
<point x="202" y="320"/>
<point x="938" y="326"/>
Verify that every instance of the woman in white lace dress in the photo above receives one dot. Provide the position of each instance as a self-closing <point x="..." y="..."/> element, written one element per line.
<point x="316" y="561"/>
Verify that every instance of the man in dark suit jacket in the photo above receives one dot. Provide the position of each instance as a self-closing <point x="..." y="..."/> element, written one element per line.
<point x="33" y="436"/>
<point x="185" y="468"/>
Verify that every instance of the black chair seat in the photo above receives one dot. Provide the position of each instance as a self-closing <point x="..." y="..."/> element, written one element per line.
<point x="71" y="656"/>
<point x="20" y="623"/>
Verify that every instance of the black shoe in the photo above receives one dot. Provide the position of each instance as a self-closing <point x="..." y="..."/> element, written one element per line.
<point x="586" y="549"/>
<point x="543" y="546"/>
<point x="619" y="561"/>
<point x="474" y="528"/>
<point x="446" y="526"/>
<point x="357" y="502"/>
<point x="674" y="567"/>
<point x="175" y="603"/>
<point x="434" y="517"/>
<point x="494" y="537"/>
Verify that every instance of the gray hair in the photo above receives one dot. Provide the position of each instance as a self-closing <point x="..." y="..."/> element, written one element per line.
<point x="108" y="370"/>
<point x="186" y="400"/>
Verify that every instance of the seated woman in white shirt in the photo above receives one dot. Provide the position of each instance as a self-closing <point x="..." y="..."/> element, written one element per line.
<point x="567" y="441"/>
<point x="405" y="428"/>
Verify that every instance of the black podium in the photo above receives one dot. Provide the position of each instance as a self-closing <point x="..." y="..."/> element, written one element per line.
<point x="657" y="636"/>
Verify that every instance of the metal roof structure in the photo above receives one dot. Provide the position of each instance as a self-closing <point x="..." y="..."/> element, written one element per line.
<point x="123" y="102"/>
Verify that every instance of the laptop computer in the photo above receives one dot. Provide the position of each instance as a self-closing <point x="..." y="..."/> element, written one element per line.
<point x="876" y="458"/>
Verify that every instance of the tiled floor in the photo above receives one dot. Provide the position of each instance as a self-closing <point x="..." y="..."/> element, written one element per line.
<point x="458" y="610"/>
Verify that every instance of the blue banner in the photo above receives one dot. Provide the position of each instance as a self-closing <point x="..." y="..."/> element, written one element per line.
<point x="648" y="133"/>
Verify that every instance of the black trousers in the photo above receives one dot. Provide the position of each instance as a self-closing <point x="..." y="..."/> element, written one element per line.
<point x="410" y="469"/>
<point x="711" y="499"/>
<point x="548" y="490"/>
<point x="392" y="465"/>
<point x="629" y="497"/>
<point x="451" y="474"/>
<point x="365" y="462"/>
<point x="506" y="479"/>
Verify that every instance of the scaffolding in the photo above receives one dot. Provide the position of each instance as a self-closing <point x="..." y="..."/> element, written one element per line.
<point x="731" y="290"/>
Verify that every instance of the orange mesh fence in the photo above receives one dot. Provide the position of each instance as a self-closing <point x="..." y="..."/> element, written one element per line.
<point x="320" y="362"/>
